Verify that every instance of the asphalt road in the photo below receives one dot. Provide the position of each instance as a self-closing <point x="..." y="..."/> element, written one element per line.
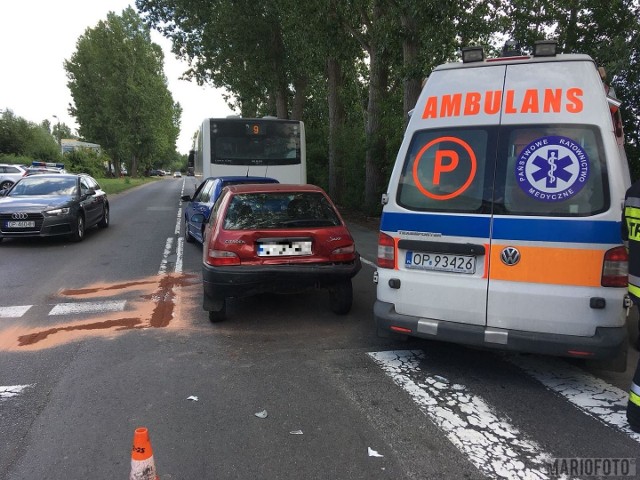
<point x="102" y="337"/>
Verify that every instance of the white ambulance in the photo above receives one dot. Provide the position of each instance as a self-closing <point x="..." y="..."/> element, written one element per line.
<point x="501" y="222"/>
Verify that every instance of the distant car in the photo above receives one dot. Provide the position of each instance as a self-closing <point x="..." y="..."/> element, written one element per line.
<point x="277" y="239"/>
<point x="53" y="204"/>
<point x="177" y="174"/>
<point x="10" y="174"/>
<point x="197" y="212"/>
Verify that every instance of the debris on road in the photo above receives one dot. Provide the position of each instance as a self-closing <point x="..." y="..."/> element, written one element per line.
<point x="262" y="414"/>
<point x="373" y="453"/>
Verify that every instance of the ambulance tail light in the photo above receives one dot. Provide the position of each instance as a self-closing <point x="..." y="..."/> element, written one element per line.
<point x="386" y="251"/>
<point x="615" y="268"/>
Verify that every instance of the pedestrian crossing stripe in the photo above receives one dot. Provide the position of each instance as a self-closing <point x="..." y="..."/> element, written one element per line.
<point x="87" y="307"/>
<point x="12" y="390"/>
<point x="14" y="312"/>
<point x="70" y="308"/>
<point x="490" y="441"/>
<point x="590" y="394"/>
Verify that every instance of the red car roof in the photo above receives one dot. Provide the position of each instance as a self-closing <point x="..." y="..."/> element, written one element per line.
<point x="273" y="187"/>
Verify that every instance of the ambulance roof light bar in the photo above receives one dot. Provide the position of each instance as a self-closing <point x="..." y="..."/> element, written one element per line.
<point x="472" y="54"/>
<point x="545" y="48"/>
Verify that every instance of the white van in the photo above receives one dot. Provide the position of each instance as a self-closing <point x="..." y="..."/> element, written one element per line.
<point x="501" y="222"/>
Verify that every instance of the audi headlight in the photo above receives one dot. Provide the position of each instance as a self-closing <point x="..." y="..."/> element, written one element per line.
<point x="57" y="211"/>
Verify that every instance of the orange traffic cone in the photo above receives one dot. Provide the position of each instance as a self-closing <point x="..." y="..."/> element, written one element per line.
<point x="142" y="464"/>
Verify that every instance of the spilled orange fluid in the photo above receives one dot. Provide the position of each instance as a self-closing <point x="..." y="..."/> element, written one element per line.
<point x="154" y="307"/>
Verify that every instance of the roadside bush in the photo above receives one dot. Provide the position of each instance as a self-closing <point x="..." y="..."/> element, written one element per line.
<point x="85" y="161"/>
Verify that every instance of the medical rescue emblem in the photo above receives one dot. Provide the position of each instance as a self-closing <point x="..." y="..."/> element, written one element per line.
<point x="552" y="169"/>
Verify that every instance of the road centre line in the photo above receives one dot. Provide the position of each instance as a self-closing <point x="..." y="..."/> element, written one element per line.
<point x="88" y="307"/>
<point x="177" y="229"/>
<point x="14" y="312"/>
<point x="179" y="255"/>
<point x="165" y="256"/>
<point x="491" y="443"/>
<point x="590" y="394"/>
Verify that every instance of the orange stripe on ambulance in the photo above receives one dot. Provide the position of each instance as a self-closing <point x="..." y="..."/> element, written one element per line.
<point x="549" y="100"/>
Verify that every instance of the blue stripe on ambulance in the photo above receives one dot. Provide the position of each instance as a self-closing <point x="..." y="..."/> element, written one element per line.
<point x="528" y="229"/>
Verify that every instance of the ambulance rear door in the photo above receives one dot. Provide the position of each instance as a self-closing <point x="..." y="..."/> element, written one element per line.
<point x="554" y="218"/>
<point x="441" y="215"/>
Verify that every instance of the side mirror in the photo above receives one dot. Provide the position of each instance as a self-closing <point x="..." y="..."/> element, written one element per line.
<point x="3" y="192"/>
<point x="185" y="198"/>
<point x="89" y="192"/>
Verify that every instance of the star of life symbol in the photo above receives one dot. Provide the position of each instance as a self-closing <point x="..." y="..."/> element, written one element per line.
<point x="552" y="168"/>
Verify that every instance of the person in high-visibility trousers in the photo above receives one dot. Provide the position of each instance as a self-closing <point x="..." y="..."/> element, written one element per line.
<point x="631" y="237"/>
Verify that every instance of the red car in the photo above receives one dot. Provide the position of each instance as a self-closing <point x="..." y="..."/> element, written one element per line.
<point x="276" y="238"/>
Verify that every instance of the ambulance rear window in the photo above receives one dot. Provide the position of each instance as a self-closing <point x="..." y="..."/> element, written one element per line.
<point x="446" y="170"/>
<point x="557" y="170"/>
<point x="543" y="170"/>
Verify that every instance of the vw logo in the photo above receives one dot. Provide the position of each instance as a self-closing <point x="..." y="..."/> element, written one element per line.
<point x="510" y="256"/>
<point x="19" y="216"/>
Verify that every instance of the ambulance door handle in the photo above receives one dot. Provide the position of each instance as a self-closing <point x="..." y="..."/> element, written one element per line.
<point x="442" y="247"/>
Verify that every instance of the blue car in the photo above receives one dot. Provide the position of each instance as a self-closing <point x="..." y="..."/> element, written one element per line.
<point x="198" y="210"/>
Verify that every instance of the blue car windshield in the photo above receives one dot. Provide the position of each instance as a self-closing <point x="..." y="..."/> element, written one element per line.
<point x="37" y="186"/>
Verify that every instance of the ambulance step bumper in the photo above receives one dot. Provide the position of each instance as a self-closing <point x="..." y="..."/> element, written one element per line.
<point x="605" y="344"/>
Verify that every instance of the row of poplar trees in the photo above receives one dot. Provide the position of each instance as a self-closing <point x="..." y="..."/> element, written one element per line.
<point x="352" y="69"/>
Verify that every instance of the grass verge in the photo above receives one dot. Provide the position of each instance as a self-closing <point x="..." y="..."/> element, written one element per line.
<point x="117" y="185"/>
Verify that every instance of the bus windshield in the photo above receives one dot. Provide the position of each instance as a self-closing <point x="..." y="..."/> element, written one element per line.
<point x="255" y="142"/>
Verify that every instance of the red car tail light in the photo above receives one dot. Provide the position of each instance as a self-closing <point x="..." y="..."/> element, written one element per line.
<point x="221" y="258"/>
<point x="344" y="254"/>
<point x="615" y="268"/>
<point x="386" y="251"/>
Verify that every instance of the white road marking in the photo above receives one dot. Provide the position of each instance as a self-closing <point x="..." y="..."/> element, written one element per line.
<point x="165" y="256"/>
<point x="177" y="230"/>
<point x="179" y="255"/>
<point x="592" y="395"/>
<point x="14" y="312"/>
<point x="12" y="390"/>
<point x="368" y="262"/>
<point x="88" y="307"/>
<point x="490" y="442"/>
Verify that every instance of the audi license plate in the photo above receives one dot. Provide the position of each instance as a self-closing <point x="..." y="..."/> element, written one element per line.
<point x="284" y="247"/>
<point x="20" y="224"/>
<point x="440" y="262"/>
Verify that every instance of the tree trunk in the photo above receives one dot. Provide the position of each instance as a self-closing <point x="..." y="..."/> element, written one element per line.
<point x="300" y="97"/>
<point x="376" y="143"/>
<point x="336" y="125"/>
<point x="134" y="166"/>
<point x="413" y="80"/>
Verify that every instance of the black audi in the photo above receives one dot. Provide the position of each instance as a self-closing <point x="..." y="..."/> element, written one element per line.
<point x="53" y="204"/>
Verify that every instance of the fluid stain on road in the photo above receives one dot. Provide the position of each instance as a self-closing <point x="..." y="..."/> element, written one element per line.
<point x="155" y="308"/>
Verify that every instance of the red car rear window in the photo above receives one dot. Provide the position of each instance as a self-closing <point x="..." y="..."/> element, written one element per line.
<point x="280" y="210"/>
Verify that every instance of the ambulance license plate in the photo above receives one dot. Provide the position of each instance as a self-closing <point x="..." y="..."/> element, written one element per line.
<point x="440" y="262"/>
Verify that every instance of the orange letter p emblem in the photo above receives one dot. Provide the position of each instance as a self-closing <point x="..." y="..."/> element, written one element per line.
<point x="440" y="166"/>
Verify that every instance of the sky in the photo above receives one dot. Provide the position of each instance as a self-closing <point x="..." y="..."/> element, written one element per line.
<point x="37" y="36"/>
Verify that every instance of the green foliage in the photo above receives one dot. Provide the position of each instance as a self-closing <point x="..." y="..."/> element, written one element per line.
<point x="85" y="161"/>
<point x="267" y="54"/>
<point x="120" y="93"/>
<point x="26" y="139"/>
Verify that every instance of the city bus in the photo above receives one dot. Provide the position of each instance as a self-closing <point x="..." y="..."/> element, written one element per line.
<point x="259" y="147"/>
